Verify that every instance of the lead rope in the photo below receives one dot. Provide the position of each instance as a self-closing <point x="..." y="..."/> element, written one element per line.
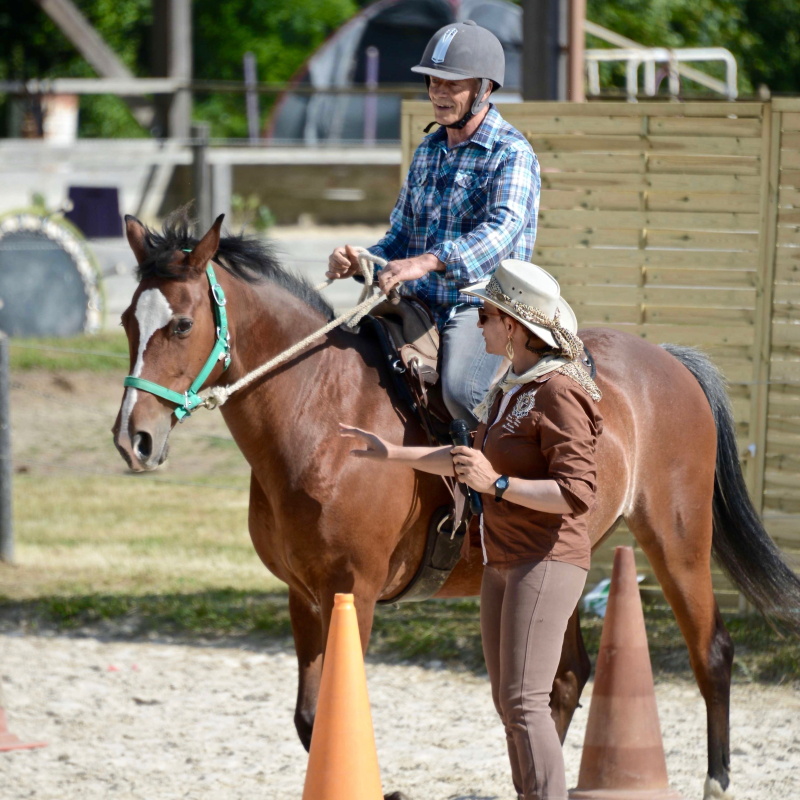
<point x="217" y="395"/>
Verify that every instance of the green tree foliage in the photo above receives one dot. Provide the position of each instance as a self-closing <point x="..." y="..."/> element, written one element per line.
<point x="762" y="34"/>
<point x="281" y="33"/>
<point x="31" y="46"/>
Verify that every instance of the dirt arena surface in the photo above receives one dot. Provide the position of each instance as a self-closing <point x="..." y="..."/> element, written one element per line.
<point x="155" y="720"/>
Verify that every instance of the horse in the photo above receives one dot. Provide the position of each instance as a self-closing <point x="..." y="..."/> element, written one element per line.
<point x="323" y="522"/>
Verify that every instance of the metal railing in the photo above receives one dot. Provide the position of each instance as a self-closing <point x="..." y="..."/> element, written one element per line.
<point x="635" y="57"/>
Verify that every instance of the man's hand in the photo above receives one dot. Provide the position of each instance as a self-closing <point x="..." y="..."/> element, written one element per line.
<point x="342" y="263"/>
<point x="407" y="269"/>
<point x="473" y="468"/>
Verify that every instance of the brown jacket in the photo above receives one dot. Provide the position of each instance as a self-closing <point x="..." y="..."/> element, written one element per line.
<point x="547" y="429"/>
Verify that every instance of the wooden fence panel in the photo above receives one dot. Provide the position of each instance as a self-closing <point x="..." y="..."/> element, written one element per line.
<point x="781" y="480"/>
<point x="681" y="223"/>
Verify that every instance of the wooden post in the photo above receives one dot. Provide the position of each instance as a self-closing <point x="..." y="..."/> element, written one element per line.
<point x="759" y="397"/>
<point x="541" y="50"/>
<point x="762" y="345"/>
<point x="179" y="65"/>
<point x="201" y="184"/>
<point x="6" y="471"/>
<point x="91" y="45"/>
<point x="222" y="191"/>
<point x="577" y="45"/>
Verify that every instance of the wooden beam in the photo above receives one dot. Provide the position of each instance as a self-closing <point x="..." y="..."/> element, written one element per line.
<point x="91" y="46"/>
<point x="764" y="311"/>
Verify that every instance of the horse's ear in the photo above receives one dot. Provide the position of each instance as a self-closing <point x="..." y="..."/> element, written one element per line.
<point x="207" y="247"/>
<point x="136" y="233"/>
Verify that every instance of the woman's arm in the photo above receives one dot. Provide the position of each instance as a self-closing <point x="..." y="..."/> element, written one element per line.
<point x="473" y="468"/>
<point x="434" y="460"/>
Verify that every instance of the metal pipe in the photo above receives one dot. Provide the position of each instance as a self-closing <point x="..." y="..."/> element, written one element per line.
<point x="371" y="100"/>
<point x="6" y="463"/>
<point x="250" y="82"/>
<point x="200" y="176"/>
<point x="635" y="56"/>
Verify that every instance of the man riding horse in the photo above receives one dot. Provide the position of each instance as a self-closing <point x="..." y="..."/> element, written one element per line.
<point x="469" y="200"/>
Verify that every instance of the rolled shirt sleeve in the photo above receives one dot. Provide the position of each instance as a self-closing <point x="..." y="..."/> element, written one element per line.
<point x="513" y="201"/>
<point x="569" y="429"/>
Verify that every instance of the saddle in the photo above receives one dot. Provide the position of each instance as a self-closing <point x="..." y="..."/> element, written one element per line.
<point x="409" y="341"/>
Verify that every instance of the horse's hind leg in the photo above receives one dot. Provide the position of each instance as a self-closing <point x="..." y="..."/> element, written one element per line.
<point x="307" y="631"/>
<point x="677" y="543"/>
<point x="573" y="672"/>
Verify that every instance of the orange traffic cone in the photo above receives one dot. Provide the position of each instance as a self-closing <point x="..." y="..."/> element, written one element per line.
<point x="623" y="754"/>
<point x="343" y="762"/>
<point x="8" y="741"/>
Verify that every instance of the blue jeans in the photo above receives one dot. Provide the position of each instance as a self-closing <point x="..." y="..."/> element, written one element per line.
<point x="467" y="369"/>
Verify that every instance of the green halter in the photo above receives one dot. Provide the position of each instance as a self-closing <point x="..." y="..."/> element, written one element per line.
<point x="190" y="400"/>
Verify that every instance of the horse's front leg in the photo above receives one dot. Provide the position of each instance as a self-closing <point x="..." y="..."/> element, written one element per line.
<point x="310" y="626"/>
<point x="308" y="644"/>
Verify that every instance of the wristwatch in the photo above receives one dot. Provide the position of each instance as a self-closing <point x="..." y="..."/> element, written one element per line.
<point x="500" y="485"/>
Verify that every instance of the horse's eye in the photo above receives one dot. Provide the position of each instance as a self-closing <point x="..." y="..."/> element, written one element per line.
<point x="183" y="326"/>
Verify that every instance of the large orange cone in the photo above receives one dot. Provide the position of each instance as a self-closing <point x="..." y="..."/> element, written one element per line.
<point x="342" y="762"/>
<point x="623" y="754"/>
<point x="7" y="739"/>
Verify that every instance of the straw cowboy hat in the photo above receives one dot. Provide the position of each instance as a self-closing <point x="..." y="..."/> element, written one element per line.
<point x="531" y="296"/>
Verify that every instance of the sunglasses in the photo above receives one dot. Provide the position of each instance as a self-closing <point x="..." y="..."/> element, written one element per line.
<point x="483" y="316"/>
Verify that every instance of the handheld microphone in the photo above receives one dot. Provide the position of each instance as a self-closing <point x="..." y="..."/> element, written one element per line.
<point x="459" y="433"/>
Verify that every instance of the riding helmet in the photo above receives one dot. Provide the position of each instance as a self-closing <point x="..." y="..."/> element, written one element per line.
<point x="465" y="50"/>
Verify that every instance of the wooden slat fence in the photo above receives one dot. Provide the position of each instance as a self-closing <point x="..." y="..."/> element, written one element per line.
<point x="681" y="223"/>
<point x="779" y="467"/>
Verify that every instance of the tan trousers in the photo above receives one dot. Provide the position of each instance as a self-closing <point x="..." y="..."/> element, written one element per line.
<point x="524" y="614"/>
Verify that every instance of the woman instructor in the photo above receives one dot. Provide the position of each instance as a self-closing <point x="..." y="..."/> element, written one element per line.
<point x="533" y="461"/>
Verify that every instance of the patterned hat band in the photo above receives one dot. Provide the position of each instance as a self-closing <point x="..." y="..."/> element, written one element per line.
<point x="569" y="344"/>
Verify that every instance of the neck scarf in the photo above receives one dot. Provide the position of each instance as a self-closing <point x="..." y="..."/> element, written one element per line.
<point x="552" y="363"/>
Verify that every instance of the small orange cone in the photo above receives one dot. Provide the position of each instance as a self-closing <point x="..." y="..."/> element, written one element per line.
<point x="8" y="741"/>
<point x="343" y="762"/>
<point x="623" y="754"/>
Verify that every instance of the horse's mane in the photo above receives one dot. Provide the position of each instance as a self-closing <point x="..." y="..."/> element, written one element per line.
<point x="248" y="258"/>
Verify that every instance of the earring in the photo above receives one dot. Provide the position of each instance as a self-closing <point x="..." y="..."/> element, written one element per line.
<point x="510" y="349"/>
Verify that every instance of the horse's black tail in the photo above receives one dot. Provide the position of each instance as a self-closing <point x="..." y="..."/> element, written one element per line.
<point x="741" y="545"/>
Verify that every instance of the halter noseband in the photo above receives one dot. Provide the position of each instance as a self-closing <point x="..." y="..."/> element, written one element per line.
<point x="190" y="400"/>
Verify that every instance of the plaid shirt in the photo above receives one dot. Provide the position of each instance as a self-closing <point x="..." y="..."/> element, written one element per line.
<point x="471" y="207"/>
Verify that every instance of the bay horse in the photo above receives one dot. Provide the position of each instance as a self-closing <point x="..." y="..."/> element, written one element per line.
<point x="667" y="462"/>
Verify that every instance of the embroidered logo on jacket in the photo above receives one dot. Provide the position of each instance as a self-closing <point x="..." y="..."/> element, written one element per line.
<point x="524" y="405"/>
<point x="521" y="410"/>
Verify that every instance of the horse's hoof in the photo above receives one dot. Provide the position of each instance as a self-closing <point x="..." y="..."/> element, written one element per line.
<point x="713" y="791"/>
<point x="396" y="796"/>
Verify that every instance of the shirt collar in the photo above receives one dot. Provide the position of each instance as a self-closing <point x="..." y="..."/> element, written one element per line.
<point x="485" y="136"/>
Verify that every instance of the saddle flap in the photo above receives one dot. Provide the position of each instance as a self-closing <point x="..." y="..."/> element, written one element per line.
<point x="414" y="335"/>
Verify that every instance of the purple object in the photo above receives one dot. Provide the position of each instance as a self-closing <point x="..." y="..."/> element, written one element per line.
<point x="95" y="211"/>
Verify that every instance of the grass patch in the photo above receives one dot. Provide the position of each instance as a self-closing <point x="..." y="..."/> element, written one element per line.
<point x="125" y="535"/>
<point x="102" y="352"/>
<point x="447" y="631"/>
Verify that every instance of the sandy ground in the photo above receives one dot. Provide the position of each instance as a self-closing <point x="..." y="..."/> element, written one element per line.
<point x="160" y="720"/>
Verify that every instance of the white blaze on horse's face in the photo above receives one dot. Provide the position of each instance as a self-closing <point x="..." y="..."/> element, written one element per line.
<point x="153" y="312"/>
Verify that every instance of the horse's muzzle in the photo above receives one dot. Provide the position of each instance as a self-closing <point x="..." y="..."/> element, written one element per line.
<point x="145" y="450"/>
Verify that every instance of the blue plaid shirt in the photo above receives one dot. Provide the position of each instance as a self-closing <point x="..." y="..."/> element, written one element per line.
<point x="471" y="207"/>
